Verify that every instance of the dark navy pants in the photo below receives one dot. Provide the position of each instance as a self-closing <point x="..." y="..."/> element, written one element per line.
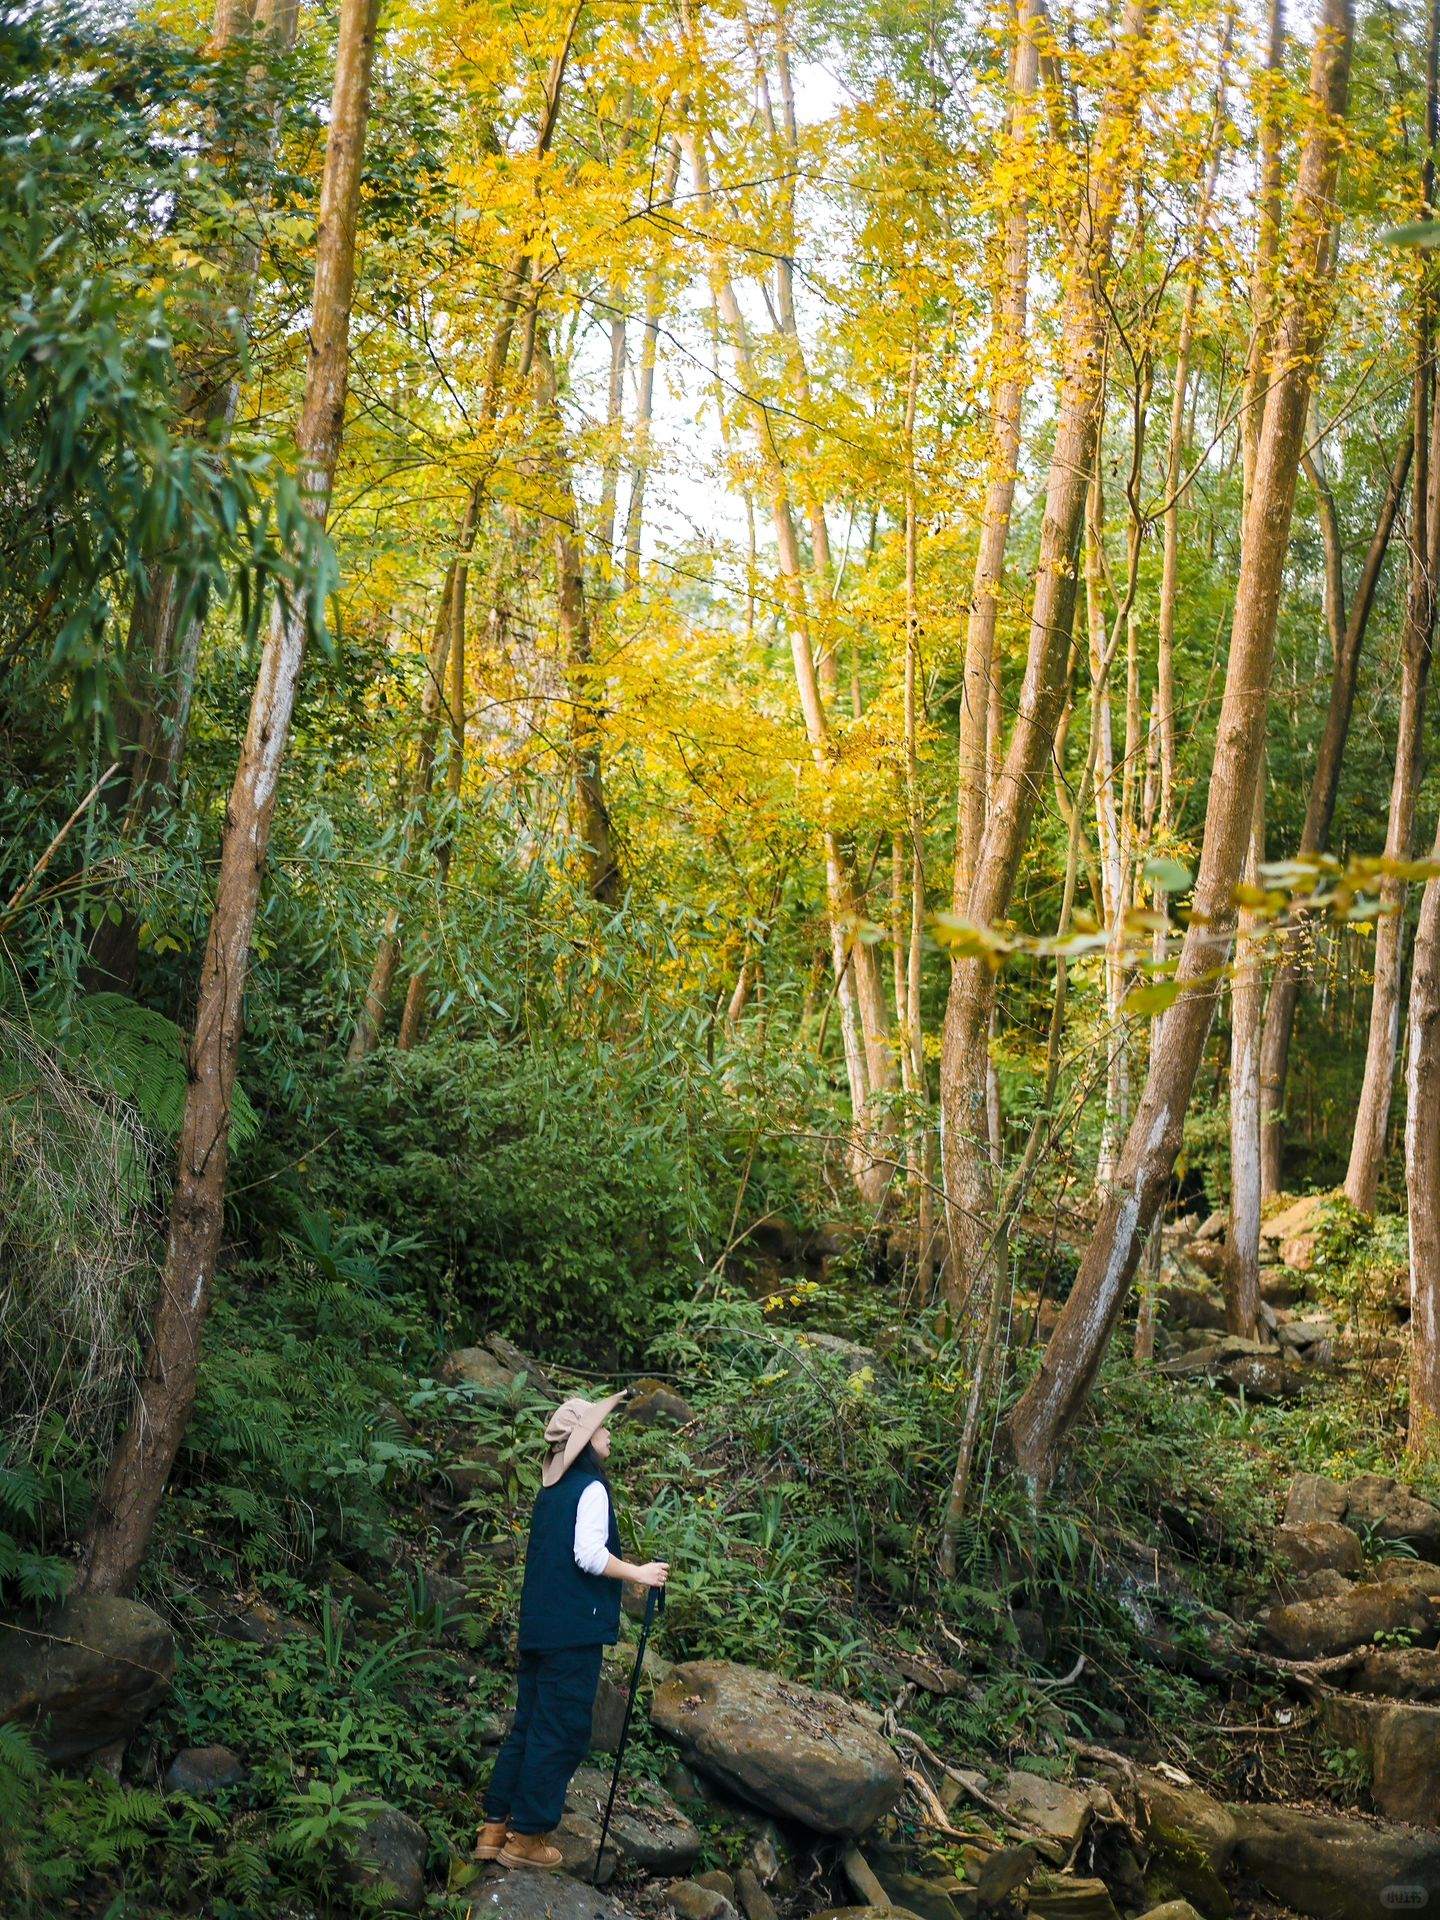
<point x="549" y="1739"/>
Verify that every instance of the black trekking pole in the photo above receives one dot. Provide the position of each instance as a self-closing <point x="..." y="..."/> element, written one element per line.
<point x="654" y="1603"/>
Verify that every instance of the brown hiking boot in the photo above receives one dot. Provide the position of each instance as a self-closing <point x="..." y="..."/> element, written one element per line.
<point x="529" y="1850"/>
<point x="491" y="1839"/>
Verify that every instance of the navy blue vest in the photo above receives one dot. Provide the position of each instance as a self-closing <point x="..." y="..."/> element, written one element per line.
<point x="559" y="1605"/>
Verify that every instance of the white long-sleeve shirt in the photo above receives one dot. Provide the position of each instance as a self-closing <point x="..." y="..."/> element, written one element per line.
<point x="592" y="1529"/>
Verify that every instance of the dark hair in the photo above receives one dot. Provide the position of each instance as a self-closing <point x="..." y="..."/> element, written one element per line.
<point x="590" y="1461"/>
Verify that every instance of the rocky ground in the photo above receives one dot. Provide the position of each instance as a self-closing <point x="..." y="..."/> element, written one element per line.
<point x="822" y="1805"/>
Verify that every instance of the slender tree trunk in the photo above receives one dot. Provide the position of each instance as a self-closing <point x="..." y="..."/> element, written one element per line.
<point x="1422" y="1176"/>
<point x="1242" y="1247"/>
<point x="1267" y="249"/>
<point x="1372" y="1118"/>
<point x="967" y="1168"/>
<point x="1008" y="361"/>
<point x="1053" y="1401"/>
<point x="590" y="817"/>
<point x="1320" y="807"/>
<point x="645" y="391"/>
<point x="412" y="1018"/>
<point x="127" y="1504"/>
<point x="1174" y="475"/>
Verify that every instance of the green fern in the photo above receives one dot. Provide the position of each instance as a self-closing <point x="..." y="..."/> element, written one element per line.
<point x="137" y="1053"/>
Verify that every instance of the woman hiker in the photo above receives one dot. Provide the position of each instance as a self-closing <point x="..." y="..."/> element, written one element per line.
<point x="569" y="1613"/>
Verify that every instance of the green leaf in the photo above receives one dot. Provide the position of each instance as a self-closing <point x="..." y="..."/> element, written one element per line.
<point x="1167" y="875"/>
<point x="1418" y="233"/>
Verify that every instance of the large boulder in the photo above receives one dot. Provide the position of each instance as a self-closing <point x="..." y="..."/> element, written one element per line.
<point x="201" y="1771"/>
<point x="1388" y="1511"/>
<point x="1402" y="1743"/>
<point x="1314" y="1629"/>
<point x="523" y="1894"/>
<point x="1331" y="1868"/>
<point x="386" y="1861"/>
<point x="88" y="1677"/>
<point x="1317" y="1545"/>
<point x="1399" y="1673"/>
<point x="1189" y="1839"/>
<point x="1261" y="1372"/>
<point x="1313" y="1497"/>
<point x="804" y="1755"/>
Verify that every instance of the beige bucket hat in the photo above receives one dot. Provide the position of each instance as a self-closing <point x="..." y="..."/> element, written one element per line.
<point x="571" y="1428"/>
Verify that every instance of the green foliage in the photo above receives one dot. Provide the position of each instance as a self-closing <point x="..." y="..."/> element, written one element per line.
<point x="559" y="1196"/>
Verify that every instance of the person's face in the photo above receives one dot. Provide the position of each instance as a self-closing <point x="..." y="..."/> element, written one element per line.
<point x="601" y="1443"/>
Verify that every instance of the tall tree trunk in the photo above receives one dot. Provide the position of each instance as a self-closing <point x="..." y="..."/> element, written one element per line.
<point x="1175" y="488"/>
<point x="1372" y="1118"/>
<point x="1008" y="360"/>
<point x="1053" y="1401"/>
<point x="127" y="1504"/>
<point x="1422" y="1176"/>
<point x="1267" y="249"/>
<point x="1324" y="786"/>
<point x="967" y="1176"/>
<point x="589" y="815"/>
<point x="1242" y="1245"/>
<point x="412" y="1018"/>
<point x="645" y="392"/>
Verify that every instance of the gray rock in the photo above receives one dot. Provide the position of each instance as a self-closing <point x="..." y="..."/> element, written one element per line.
<point x="1213" y="1227"/>
<point x="718" y="1881"/>
<point x="1316" y="1586"/>
<point x="511" y="1357"/>
<point x="767" y="1853"/>
<point x="387" y="1859"/>
<point x="656" y="1405"/>
<point x="476" y="1367"/>
<point x="1401" y="1571"/>
<point x="1332" y="1868"/>
<point x="88" y="1677"/>
<point x="755" y="1902"/>
<point x="865" y="1913"/>
<point x="1172" y="1910"/>
<point x="1399" y="1673"/>
<point x="1197" y="1308"/>
<point x="1314" y="1629"/>
<point x="1262" y="1372"/>
<point x="1313" y="1497"/>
<point x="932" y="1896"/>
<point x="253" y="1623"/>
<point x="1067" y="1897"/>
<point x="1402" y="1742"/>
<point x="1190" y="1838"/>
<point x="1389" y="1511"/>
<point x="647" y="1829"/>
<point x="688" y="1900"/>
<point x="523" y="1894"/>
<point x="807" y="1756"/>
<point x="203" y="1770"/>
<point x="612" y="1696"/>
<point x="1312" y="1546"/>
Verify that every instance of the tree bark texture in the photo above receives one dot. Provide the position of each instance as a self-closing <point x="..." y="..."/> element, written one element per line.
<point x="1247" y="991"/>
<point x="1054" y="1399"/>
<point x="1320" y="807"/>
<point x="1422" y="1176"/>
<point x="1372" y="1117"/>
<point x="130" y="1498"/>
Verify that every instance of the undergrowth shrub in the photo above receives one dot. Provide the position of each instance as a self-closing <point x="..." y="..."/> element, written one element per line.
<point x="565" y="1200"/>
